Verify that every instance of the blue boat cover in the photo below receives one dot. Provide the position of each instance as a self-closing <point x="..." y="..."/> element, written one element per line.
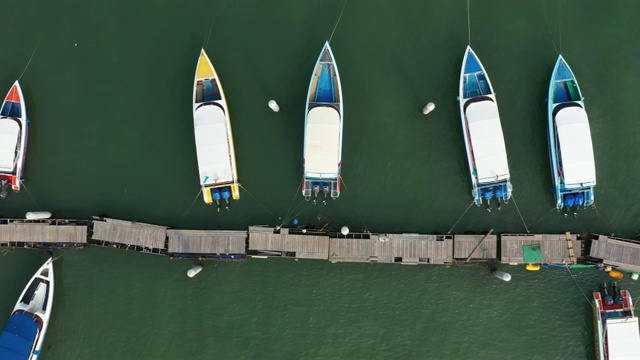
<point x="563" y="73"/>
<point x="18" y="337"/>
<point x="472" y="65"/>
<point x="325" y="92"/>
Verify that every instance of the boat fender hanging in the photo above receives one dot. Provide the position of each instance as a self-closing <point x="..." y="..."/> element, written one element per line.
<point x="37" y="215"/>
<point x="501" y="275"/>
<point x="194" y="271"/>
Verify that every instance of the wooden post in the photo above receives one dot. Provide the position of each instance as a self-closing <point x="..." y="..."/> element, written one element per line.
<point x="475" y="248"/>
<point x="572" y="255"/>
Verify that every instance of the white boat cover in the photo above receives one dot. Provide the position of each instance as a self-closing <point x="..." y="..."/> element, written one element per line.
<point x="322" y="143"/>
<point x="576" y="150"/>
<point x="487" y="141"/>
<point x="9" y="135"/>
<point x="212" y="145"/>
<point x="623" y="339"/>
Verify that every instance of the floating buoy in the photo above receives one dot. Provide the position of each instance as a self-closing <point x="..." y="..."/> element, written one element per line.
<point x="532" y="267"/>
<point x="501" y="275"/>
<point x="344" y="230"/>
<point x="274" y="106"/>
<point x="295" y="221"/>
<point x="37" y="215"/>
<point x="635" y="276"/>
<point x="194" y="271"/>
<point x="616" y="274"/>
<point x="608" y="268"/>
<point x="428" y="108"/>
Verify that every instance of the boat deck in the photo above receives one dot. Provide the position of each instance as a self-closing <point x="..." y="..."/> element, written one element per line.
<point x="207" y="243"/>
<point x="43" y="232"/>
<point x="269" y="241"/>
<point x="140" y="236"/>
<point x="554" y="248"/>
<point x="616" y="252"/>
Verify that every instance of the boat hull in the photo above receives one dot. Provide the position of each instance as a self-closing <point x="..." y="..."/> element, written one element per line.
<point x="14" y="128"/>
<point x="476" y="92"/>
<point x="214" y="138"/>
<point x="615" y="326"/>
<point x="322" y="151"/>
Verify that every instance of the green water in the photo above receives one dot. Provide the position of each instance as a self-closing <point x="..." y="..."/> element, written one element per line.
<point x="109" y="97"/>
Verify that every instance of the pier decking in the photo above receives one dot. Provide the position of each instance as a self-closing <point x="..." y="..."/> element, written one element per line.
<point x="49" y="231"/>
<point x="409" y="249"/>
<point x="616" y="252"/>
<point x="554" y="247"/>
<point x="473" y="247"/>
<point x="140" y="236"/>
<point x="207" y="243"/>
<point x="268" y="241"/>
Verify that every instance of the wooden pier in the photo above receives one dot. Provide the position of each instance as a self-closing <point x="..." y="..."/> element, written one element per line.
<point x="555" y="248"/>
<point x="616" y="252"/>
<point x="43" y="232"/>
<point x="268" y="241"/>
<point x="205" y="244"/>
<point x="475" y="247"/>
<point x="130" y="235"/>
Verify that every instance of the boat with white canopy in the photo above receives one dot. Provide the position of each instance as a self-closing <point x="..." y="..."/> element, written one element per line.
<point x="615" y="326"/>
<point x="570" y="149"/>
<point x="214" y="139"/>
<point x="13" y="140"/>
<point x="323" y="130"/>
<point x="23" y="335"/>
<point x="482" y="132"/>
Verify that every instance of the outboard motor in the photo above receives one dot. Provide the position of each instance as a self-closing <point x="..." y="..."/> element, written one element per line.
<point x="616" y="294"/>
<point x="608" y="299"/>
<point x="488" y="194"/>
<point x="569" y="200"/>
<point x="579" y="199"/>
<point x="4" y="188"/>
<point x="215" y="194"/>
<point x="325" y="190"/>
<point x="226" y="194"/>
<point x="316" y="190"/>
<point x="499" y="194"/>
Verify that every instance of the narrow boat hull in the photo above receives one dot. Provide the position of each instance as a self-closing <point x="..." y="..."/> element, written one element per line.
<point x="615" y="326"/>
<point x="482" y="133"/>
<point x="13" y="139"/>
<point x="322" y="151"/>
<point x="214" y="138"/>
<point x="572" y="169"/>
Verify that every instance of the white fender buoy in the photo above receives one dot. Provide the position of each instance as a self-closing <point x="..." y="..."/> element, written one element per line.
<point x="344" y="230"/>
<point x="37" y="215"/>
<point x="635" y="276"/>
<point x="274" y="106"/>
<point x="194" y="271"/>
<point x="608" y="268"/>
<point x="501" y="275"/>
<point x="428" y="108"/>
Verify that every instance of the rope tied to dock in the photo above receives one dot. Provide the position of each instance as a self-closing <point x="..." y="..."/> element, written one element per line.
<point x="460" y="218"/>
<point x="602" y="222"/>
<point x="31" y="195"/>
<point x="258" y="201"/>
<point x="356" y="211"/>
<point x="520" y="214"/>
<point x="578" y="285"/>
<point x="545" y="215"/>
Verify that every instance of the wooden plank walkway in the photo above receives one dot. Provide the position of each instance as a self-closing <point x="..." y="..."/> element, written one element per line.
<point x="389" y="248"/>
<point x="130" y="233"/>
<point x="207" y="242"/>
<point x="50" y="231"/>
<point x="553" y="247"/>
<point x="464" y="244"/>
<point x="305" y="246"/>
<point x="616" y="252"/>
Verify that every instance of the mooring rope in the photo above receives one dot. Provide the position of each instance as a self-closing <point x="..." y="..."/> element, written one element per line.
<point x="338" y="21"/>
<point x="578" y="285"/>
<point x="602" y="222"/>
<point x="31" y="58"/>
<point x="356" y="211"/>
<point x="519" y="213"/>
<point x="559" y="23"/>
<point x="190" y="206"/>
<point x="546" y="17"/>
<point x="289" y="210"/>
<point x="461" y="216"/>
<point x="206" y="42"/>
<point x="545" y="215"/>
<point x="469" y="21"/>
<point x="258" y="201"/>
<point x="31" y="195"/>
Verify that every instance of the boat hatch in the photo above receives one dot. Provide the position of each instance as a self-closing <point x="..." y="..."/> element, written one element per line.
<point x="35" y="290"/>
<point x="207" y="90"/>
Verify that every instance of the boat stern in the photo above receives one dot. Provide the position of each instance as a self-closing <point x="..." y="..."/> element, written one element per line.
<point x="320" y="188"/>
<point x="221" y="194"/>
<point x="500" y="191"/>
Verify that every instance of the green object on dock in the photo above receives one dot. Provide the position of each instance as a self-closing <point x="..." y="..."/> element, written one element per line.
<point x="582" y="266"/>
<point x="532" y="254"/>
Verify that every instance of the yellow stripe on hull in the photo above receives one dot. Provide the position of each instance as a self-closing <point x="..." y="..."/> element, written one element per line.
<point x="205" y="70"/>
<point x="208" y="197"/>
<point x="206" y="193"/>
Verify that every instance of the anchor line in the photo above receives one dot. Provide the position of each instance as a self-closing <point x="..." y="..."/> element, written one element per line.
<point x="469" y="21"/>
<point x="546" y="18"/>
<point x="31" y="58"/>
<point x="366" y="228"/>
<point x="461" y="216"/>
<point x="338" y="21"/>
<point x="559" y="23"/>
<point x="602" y="222"/>
<point x="258" y="201"/>
<point x="578" y="285"/>
<point x="188" y="209"/>
<point x="520" y="214"/>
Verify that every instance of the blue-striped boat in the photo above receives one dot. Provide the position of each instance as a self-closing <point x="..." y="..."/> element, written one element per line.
<point x="482" y="131"/>
<point x="570" y="149"/>
<point x="323" y="130"/>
